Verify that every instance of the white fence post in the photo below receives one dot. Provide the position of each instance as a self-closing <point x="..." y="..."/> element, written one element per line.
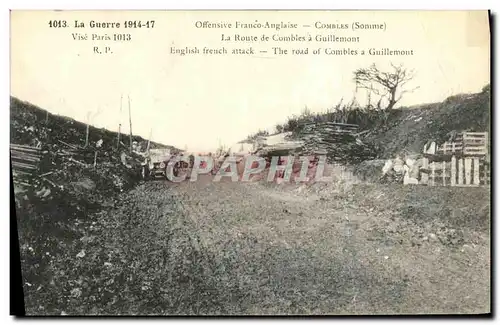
<point x="460" y="171"/>
<point x="453" y="171"/>
<point x="468" y="167"/>
<point x="476" y="171"/>
<point x="443" y="173"/>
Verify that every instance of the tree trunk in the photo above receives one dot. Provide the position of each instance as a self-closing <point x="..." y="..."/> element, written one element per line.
<point x="87" y="136"/>
<point x="392" y="100"/>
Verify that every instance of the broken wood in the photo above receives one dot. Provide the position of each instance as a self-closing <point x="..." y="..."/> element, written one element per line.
<point x="46" y="174"/>
<point x="20" y="173"/>
<point x="76" y="161"/>
<point x="50" y="182"/>
<point x="25" y="157"/>
<point x="69" y="145"/>
<point x="22" y="165"/>
<point x="22" y="183"/>
<point x="24" y="148"/>
<point x="87" y="136"/>
<point x="361" y="133"/>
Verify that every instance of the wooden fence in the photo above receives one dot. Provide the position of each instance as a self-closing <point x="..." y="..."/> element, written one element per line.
<point x="463" y="162"/>
<point x="466" y="144"/>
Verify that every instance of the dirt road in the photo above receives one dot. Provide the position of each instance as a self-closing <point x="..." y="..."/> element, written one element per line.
<point x="233" y="248"/>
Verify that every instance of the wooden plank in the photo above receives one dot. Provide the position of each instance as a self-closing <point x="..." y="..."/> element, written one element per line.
<point x="25" y="153"/>
<point x="474" y="142"/>
<point x="21" y="165"/>
<point x="26" y="162"/>
<point x="472" y="149"/>
<point x="18" y="164"/>
<point x="338" y="124"/>
<point x="69" y="145"/>
<point x="27" y="158"/>
<point x="482" y="152"/>
<point x="476" y="133"/>
<point x="466" y="141"/>
<point x="460" y="179"/>
<point x="453" y="179"/>
<point x="475" y="149"/>
<point x="468" y="168"/>
<point x="22" y="183"/>
<point x="23" y="146"/>
<point x="16" y="172"/>
<point x="21" y="149"/>
<point x="26" y="168"/>
<point x="474" y="136"/>
<point x="475" y="145"/>
<point x="76" y="161"/>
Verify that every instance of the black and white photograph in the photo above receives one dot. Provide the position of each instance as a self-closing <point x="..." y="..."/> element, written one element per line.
<point x="251" y="163"/>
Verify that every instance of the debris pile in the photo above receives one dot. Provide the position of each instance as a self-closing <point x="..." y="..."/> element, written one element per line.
<point x="338" y="140"/>
<point x="61" y="152"/>
<point x="404" y="170"/>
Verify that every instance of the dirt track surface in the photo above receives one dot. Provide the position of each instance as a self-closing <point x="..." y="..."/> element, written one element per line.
<point x="252" y="248"/>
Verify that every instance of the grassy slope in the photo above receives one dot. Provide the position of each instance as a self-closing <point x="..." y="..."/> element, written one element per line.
<point x="24" y="114"/>
<point x="407" y="128"/>
<point x="410" y="128"/>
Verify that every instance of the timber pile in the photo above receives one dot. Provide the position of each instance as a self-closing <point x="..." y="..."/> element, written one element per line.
<point x="339" y="140"/>
<point x="25" y="161"/>
<point x="281" y="149"/>
<point x="55" y="165"/>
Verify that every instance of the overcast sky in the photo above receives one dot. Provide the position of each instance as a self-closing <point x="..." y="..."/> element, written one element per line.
<point x="197" y="100"/>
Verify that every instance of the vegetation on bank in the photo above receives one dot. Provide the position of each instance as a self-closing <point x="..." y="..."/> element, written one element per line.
<point x="389" y="129"/>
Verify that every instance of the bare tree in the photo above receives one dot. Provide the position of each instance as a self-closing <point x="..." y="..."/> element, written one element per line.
<point x="387" y="85"/>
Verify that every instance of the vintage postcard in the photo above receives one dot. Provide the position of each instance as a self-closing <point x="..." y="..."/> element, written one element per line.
<point x="251" y="162"/>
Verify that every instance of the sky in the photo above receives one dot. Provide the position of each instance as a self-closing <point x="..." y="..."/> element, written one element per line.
<point x="200" y="101"/>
